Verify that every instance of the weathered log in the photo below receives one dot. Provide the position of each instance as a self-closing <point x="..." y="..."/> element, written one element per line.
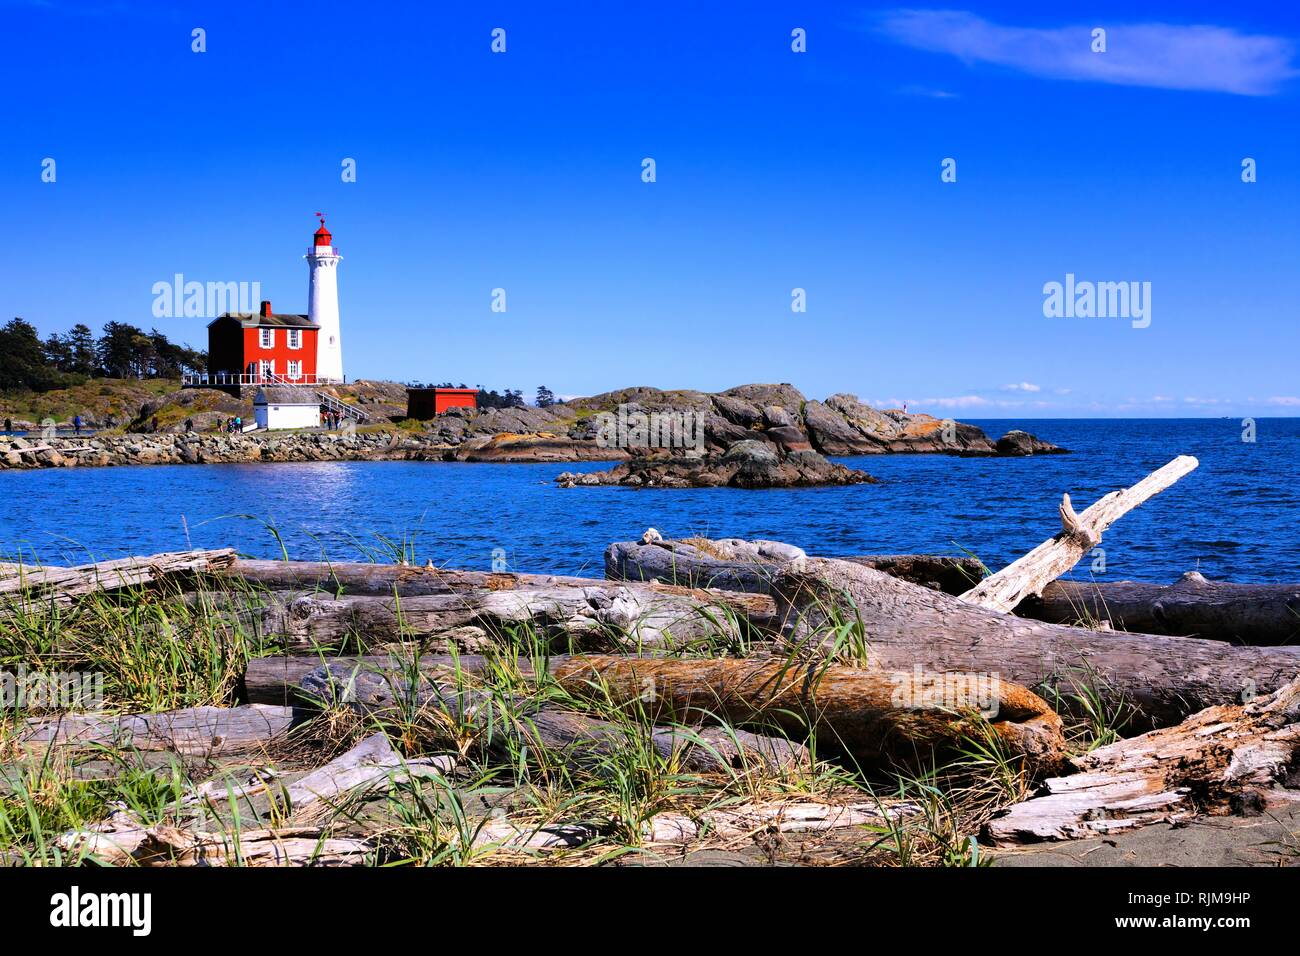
<point x="192" y="730"/>
<point x="1164" y="678"/>
<point x="275" y="680"/>
<point x="1080" y="534"/>
<point x="1265" y="614"/>
<point x="372" y="762"/>
<point x="679" y="828"/>
<point x="550" y="728"/>
<point x="779" y="816"/>
<point x="173" y="846"/>
<point x="62" y="586"/>
<point x="1225" y="758"/>
<point x="385" y="580"/>
<point x="602" y="615"/>
<point x="388" y="580"/>
<point x="737" y="565"/>
<point x="870" y="714"/>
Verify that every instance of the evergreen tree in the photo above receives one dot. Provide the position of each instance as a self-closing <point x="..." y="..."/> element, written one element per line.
<point x="22" y="359"/>
<point x="81" y="344"/>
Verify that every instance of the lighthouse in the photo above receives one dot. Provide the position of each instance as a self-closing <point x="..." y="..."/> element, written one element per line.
<point x="323" y="304"/>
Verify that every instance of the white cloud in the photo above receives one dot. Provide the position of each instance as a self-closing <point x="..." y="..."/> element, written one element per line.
<point x="1162" y="55"/>
<point x="1287" y="401"/>
<point x="1021" y="387"/>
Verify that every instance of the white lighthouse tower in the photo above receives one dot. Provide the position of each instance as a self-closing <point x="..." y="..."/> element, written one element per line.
<point x="323" y="304"/>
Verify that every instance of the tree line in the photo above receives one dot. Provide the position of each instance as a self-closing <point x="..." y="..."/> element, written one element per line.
<point x="58" y="361"/>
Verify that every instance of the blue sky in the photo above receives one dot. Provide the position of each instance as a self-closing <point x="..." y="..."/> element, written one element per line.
<point x="775" y="170"/>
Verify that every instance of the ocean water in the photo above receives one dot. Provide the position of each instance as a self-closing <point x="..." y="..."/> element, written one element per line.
<point x="1236" y="517"/>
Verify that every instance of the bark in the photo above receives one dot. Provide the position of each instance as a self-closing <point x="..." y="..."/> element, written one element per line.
<point x="1079" y="535"/>
<point x="60" y="587"/>
<point x="1263" y="614"/>
<point x="203" y="731"/>
<point x="1164" y="678"/>
<point x="1235" y="757"/>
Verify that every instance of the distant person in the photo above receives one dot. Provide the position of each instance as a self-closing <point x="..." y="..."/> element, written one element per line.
<point x="153" y="424"/>
<point x="9" y="424"/>
<point x="239" y="423"/>
<point x="76" y="425"/>
<point x="189" y="425"/>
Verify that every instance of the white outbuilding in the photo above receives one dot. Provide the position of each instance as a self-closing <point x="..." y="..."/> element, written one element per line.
<point x="284" y="407"/>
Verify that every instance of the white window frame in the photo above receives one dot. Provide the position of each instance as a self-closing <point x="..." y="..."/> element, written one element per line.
<point x="266" y="368"/>
<point x="268" y="338"/>
<point x="294" y="337"/>
<point x="295" y="369"/>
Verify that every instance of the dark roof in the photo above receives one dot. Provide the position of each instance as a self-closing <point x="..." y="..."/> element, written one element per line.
<point x="276" y="320"/>
<point x="285" y="395"/>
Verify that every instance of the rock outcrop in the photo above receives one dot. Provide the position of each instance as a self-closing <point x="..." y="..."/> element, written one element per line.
<point x="748" y="463"/>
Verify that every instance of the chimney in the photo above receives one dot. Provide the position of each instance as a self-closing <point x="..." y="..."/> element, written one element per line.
<point x="266" y="308"/>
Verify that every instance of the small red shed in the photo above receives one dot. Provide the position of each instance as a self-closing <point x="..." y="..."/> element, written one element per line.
<point x="425" y="403"/>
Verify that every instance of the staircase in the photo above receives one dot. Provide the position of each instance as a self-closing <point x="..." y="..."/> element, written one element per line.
<point x="326" y="399"/>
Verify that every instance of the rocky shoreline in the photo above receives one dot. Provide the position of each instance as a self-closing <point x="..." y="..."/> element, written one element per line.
<point x="623" y="426"/>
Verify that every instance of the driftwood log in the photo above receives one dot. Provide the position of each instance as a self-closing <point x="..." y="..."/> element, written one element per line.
<point x="737" y="565"/>
<point x="1235" y="757"/>
<point x="369" y="764"/>
<point x="122" y="841"/>
<point x="62" y="586"/>
<point x="1080" y="533"/>
<point x="742" y="819"/>
<point x="1163" y="678"/>
<point x="554" y="729"/>
<point x="192" y="730"/>
<point x="870" y="714"/>
<point x="1266" y="614"/>
<point x="599" y="614"/>
<point x="388" y="580"/>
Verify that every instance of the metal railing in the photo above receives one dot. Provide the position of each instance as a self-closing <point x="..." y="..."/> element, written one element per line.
<point x="217" y="379"/>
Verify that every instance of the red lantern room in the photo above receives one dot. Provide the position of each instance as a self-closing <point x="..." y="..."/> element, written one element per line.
<point x="323" y="237"/>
